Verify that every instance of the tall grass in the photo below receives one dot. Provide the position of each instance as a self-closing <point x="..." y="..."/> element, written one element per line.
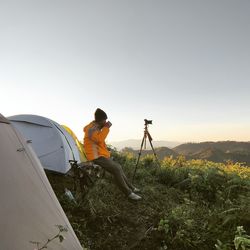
<point x="187" y="204"/>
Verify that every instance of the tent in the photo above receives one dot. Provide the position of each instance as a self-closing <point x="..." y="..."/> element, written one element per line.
<point x="78" y="144"/>
<point x="51" y="142"/>
<point x="29" y="208"/>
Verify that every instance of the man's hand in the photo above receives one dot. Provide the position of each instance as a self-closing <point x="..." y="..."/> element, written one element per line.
<point x="108" y="124"/>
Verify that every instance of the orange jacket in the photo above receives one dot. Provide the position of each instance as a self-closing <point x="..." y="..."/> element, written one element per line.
<point x="94" y="141"/>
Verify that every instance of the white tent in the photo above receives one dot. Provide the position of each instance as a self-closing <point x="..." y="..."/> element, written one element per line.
<point x="29" y="209"/>
<point x="53" y="145"/>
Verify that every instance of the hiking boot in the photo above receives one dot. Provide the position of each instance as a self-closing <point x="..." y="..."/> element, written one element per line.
<point x="134" y="197"/>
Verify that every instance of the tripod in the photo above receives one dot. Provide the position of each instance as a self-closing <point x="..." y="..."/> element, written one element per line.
<point x="145" y="136"/>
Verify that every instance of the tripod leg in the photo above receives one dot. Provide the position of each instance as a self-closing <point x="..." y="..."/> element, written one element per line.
<point x="150" y="141"/>
<point x="139" y="155"/>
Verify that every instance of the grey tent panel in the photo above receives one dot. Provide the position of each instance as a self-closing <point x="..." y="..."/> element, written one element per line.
<point x="53" y="145"/>
<point x="35" y="119"/>
<point x="3" y="119"/>
<point x="29" y="209"/>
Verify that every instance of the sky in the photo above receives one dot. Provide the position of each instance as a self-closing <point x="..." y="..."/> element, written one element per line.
<point x="185" y="64"/>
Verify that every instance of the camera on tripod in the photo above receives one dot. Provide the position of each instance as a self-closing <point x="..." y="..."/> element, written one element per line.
<point x="145" y="136"/>
<point x="147" y="122"/>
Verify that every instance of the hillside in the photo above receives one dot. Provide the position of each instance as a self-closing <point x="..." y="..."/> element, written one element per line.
<point x="216" y="155"/>
<point x="186" y="205"/>
<point x="210" y="154"/>
<point x="225" y="146"/>
<point x="161" y="152"/>
<point x="136" y="144"/>
<point x="211" y="151"/>
<point x="216" y="151"/>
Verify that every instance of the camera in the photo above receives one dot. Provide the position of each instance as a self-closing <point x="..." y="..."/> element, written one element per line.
<point x="148" y="121"/>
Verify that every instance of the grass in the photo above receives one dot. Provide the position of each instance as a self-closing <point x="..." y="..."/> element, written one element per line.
<point x="186" y="205"/>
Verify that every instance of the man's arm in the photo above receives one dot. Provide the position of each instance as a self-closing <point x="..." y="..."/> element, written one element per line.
<point x="100" y="135"/>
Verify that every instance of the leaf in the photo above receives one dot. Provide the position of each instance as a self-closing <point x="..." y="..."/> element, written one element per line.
<point x="61" y="238"/>
<point x="62" y="228"/>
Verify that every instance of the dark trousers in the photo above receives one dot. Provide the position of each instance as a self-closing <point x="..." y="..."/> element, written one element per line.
<point x="116" y="170"/>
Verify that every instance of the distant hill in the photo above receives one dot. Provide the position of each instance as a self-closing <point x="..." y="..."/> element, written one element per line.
<point x="136" y="144"/>
<point x="221" y="151"/>
<point x="210" y="154"/>
<point x="216" y="151"/>
<point x="225" y="146"/>
<point x="161" y="152"/>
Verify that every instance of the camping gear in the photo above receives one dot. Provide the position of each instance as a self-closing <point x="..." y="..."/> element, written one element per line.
<point x="29" y="211"/>
<point x="53" y="145"/>
<point x="78" y="143"/>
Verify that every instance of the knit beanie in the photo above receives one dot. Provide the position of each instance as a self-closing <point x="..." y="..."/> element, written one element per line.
<point x="100" y="115"/>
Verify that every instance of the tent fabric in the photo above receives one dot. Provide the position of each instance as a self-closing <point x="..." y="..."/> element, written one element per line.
<point x="33" y="119"/>
<point x="78" y="144"/>
<point x="53" y="145"/>
<point x="29" y="208"/>
<point x="3" y="119"/>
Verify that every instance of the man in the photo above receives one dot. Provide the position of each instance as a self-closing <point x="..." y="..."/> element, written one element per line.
<point x="96" y="150"/>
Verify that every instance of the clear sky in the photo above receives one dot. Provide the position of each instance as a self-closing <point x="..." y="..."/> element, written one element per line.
<point x="185" y="64"/>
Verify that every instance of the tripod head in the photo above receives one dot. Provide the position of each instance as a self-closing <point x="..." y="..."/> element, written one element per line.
<point x="147" y="122"/>
<point x="146" y="133"/>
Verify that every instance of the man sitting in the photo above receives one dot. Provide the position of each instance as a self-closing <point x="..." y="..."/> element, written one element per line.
<point x="96" y="150"/>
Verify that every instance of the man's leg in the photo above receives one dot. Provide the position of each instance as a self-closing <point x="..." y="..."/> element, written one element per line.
<point x="116" y="170"/>
<point x="127" y="181"/>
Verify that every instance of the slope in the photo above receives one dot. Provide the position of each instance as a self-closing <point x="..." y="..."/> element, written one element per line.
<point x="186" y="205"/>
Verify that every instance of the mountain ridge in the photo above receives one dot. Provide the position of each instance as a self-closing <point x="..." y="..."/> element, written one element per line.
<point x="221" y="151"/>
<point x="136" y="144"/>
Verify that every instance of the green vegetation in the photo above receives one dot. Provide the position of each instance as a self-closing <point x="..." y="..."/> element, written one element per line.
<point x="187" y="204"/>
<point x="59" y="236"/>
